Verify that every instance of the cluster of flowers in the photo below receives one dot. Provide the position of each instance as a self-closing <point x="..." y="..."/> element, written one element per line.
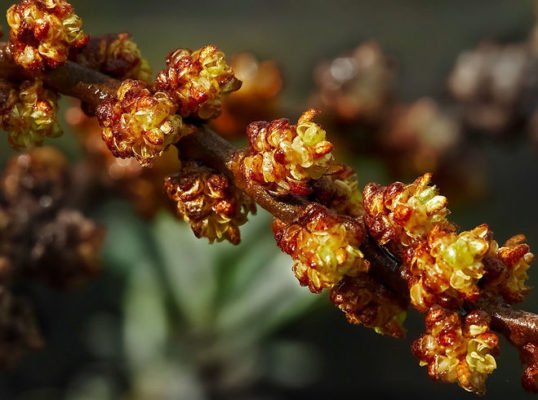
<point x="457" y="349"/>
<point x="446" y="269"/>
<point x="42" y="238"/>
<point x="28" y="113"/>
<point x="143" y="122"/>
<point x="442" y="266"/>
<point x="43" y="33"/>
<point x="287" y="158"/>
<point x="209" y="202"/>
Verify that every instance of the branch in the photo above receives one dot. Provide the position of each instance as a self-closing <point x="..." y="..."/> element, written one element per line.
<point x="92" y="87"/>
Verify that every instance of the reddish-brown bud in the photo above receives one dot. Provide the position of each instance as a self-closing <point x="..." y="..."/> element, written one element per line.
<point x="209" y="202"/>
<point x="43" y="32"/>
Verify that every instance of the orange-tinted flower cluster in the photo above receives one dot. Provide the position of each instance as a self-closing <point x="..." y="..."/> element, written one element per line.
<point x="286" y="158"/>
<point x="197" y="80"/>
<point x="457" y="349"/>
<point x="442" y="266"/>
<point x="117" y="56"/>
<point x="366" y="302"/>
<point x="401" y="214"/>
<point x="324" y="246"/>
<point x="43" y="32"/>
<point x="209" y="203"/>
<point x="28" y="113"/>
<point x="138" y="123"/>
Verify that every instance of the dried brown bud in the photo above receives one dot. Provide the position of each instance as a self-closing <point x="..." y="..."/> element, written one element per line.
<point x="139" y="123"/>
<point x="285" y="158"/>
<point x="366" y="302"/>
<point x="197" y="80"/>
<point x="115" y="55"/>
<point x="39" y="177"/>
<point x="28" y="114"/>
<point x="324" y="246"/>
<point x="489" y="81"/>
<point x="458" y="350"/>
<point x="356" y="87"/>
<point x="66" y="250"/>
<point x="509" y="276"/>
<point x="43" y="32"/>
<point x="209" y="202"/>
<point x="529" y="358"/>
<point x="18" y="329"/>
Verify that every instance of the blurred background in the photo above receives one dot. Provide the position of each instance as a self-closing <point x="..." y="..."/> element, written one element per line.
<point x="448" y="86"/>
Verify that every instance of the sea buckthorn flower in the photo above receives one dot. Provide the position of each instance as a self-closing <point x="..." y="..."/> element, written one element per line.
<point x="403" y="214"/>
<point x="339" y="191"/>
<point x="458" y="350"/>
<point x="509" y="278"/>
<point x="324" y="246"/>
<point x="43" y="32"/>
<point x="448" y="266"/>
<point x="28" y="114"/>
<point x="138" y="123"/>
<point x="117" y="56"/>
<point x="286" y="158"/>
<point x="209" y="202"/>
<point x="197" y="80"/>
<point x="366" y="302"/>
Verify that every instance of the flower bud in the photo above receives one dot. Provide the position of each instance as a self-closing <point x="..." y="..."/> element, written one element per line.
<point x="324" y="246"/>
<point x="364" y="301"/>
<point x="449" y="265"/>
<point x="285" y="158"/>
<point x="209" y="202"/>
<point x="138" y="123"/>
<point x="117" y="56"/>
<point x="458" y="350"/>
<point x="43" y="32"/>
<point x="403" y="214"/>
<point x="197" y="80"/>
<point x="28" y="114"/>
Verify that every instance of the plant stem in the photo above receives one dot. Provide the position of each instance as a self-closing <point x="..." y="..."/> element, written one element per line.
<point x="91" y="87"/>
